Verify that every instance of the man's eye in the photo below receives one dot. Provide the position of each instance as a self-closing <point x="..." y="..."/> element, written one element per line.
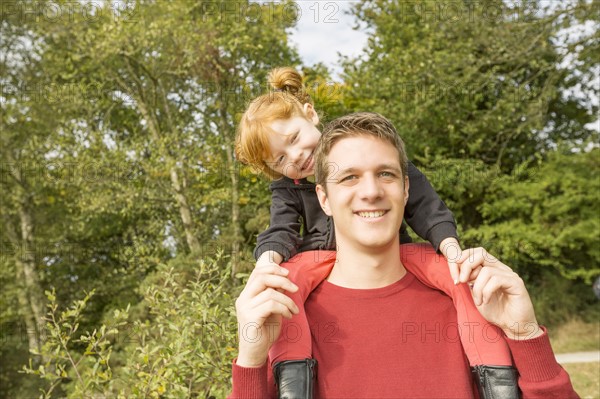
<point x="347" y="178"/>
<point x="387" y="174"/>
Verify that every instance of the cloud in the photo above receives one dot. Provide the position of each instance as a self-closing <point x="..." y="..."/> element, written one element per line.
<point x="324" y="31"/>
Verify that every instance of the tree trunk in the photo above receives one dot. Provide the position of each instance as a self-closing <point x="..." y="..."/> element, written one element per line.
<point x="235" y="205"/>
<point x="30" y="297"/>
<point x="178" y="188"/>
<point x="32" y="280"/>
<point x="235" y="212"/>
<point x="185" y="212"/>
<point x="31" y="325"/>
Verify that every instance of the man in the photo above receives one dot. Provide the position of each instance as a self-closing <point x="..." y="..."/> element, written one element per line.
<point x="376" y="330"/>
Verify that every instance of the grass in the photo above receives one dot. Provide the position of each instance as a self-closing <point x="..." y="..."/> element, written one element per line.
<point x="579" y="336"/>
<point x="576" y="336"/>
<point x="585" y="378"/>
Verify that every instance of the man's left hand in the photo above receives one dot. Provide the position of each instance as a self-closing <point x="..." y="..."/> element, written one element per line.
<point x="499" y="294"/>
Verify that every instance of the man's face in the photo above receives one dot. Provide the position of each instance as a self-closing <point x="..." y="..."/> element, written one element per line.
<point x="366" y="192"/>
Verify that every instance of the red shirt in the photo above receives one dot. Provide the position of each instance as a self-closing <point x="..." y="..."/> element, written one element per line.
<point x="399" y="341"/>
<point x="396" y="341"/>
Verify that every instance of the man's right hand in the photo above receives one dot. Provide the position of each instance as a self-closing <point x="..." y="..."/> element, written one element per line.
<point x="259" y="309"/>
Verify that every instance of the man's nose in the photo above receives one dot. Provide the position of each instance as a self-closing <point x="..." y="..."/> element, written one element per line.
<point x="371" y="188"/>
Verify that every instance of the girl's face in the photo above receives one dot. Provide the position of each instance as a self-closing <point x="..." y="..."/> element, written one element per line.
<point x="293" y="146"/>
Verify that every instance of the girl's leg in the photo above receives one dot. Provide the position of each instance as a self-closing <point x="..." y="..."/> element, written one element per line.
<point x="307" y="271"/>
<point x="482" y="341"/>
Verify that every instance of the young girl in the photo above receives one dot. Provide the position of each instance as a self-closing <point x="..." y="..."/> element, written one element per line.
<point x="277" y="135"/>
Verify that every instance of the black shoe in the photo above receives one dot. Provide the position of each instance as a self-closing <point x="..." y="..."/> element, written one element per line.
<point x="496" y="382"/>
<point x="295" y="378"/>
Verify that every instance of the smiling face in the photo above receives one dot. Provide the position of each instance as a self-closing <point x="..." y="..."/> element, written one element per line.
<point x="366" y="193"/>
<point x="293" y="144"/>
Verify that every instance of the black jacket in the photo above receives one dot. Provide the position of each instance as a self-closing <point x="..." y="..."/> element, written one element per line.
<point x="299" y="224"/>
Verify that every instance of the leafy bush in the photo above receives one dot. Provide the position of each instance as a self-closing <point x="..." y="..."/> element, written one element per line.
<point x="546" y="217"/>
<point x="557" y="300"/>
<point x="64" y="366"/>
<point x="180" y="347"/>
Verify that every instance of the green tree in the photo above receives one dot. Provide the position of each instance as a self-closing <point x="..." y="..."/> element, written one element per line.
<point x="547" y="216"/>
<point x="129" y="111"/>
<point x="179" y="72"/>
<point x="483" y="94"/>
<point x="467" y="80"/>
<point x="25" y="128"/>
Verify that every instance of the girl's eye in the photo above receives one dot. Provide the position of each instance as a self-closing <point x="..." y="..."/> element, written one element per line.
<point x="294" y="137"/>
<point x="279" y="160"/>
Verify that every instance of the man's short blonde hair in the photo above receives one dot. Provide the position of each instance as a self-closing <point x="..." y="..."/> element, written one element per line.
<point x="354" y="125"/>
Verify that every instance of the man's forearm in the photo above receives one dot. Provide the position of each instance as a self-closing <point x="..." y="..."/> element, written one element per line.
<point x="540" y="375"/>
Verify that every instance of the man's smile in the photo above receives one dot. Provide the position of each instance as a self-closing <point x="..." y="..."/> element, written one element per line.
<point x="372" y="214"/>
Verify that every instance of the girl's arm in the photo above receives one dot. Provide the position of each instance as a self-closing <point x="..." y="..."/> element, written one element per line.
<point x="269" y="257"/>
<point x="283" y="235"/>
<point x="431" y="219"/>
<point x="425" y="212"/>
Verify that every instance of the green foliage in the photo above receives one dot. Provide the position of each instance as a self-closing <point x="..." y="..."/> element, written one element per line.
<point x="123" y="121"/>
<point x="327" y="94"/>
<point x="484" y="102"/>
<point x="186" y="346"/>
<point x="118" y="175"/>
<point x="472" y="84"/>
<point x="546" y="216"/>
<point x="556" y="300"/>
<point x="84" y="373"/>
<point x="182" y="346"/>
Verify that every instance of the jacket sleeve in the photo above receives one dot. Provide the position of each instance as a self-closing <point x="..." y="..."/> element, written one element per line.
<point x="540" y="375"/>
<point x="425" y="212"/>
<point x="252" y="383"/>
<point x="283" y="234"/>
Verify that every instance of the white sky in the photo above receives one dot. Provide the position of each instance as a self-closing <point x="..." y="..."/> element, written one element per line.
<point x="324" y="30"/>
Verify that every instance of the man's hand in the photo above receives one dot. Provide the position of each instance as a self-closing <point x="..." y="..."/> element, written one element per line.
<point x="259" y="309"/>
<point x="499" y="294"/>
<point x="450" y="248"/>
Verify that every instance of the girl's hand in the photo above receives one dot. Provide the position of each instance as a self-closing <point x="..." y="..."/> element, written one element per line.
<point x="269" y="258"/>
<point x="451" y="250"/>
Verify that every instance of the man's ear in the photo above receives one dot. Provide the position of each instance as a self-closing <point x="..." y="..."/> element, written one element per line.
<point x="406" y="187"/>
<point x="322" y="196"/>
<point x="311" y="114"/>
